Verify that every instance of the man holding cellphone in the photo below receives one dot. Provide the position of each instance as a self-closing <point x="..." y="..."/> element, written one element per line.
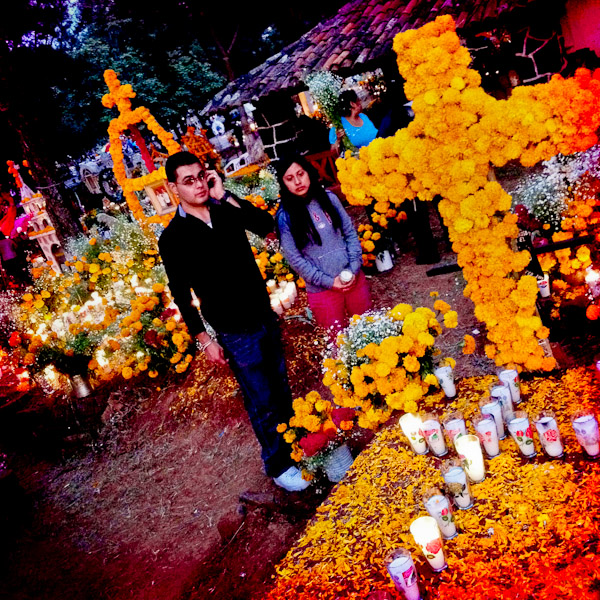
<point x="205" y="249"/>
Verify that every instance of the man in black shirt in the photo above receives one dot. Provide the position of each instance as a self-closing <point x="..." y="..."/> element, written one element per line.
<point x="205" y="249"/>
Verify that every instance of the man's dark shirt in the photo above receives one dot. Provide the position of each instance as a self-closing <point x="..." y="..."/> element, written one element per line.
<point x="218" y="264"/>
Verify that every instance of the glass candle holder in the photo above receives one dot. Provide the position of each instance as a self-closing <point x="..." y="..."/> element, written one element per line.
<point x="485" y="427"/>
<point x="502" y="393"/>
<point x="521" y="432"/>
<point x="438" y="507"/>
<point x="445" y="377"/>
<point x="509" y="376"/>
<point x="432" y="432"/>
<point x="457" y="483"/>
<point x="401" y="567"/>
<point x="547" y="428"/>
<point x="585" y="427"/>
<point x="469" y="451"/>
<point x="411" y="426"/>
<point x="427" y="536"/>
<point x="454" y="425"/>
<point x="491" y="406"/>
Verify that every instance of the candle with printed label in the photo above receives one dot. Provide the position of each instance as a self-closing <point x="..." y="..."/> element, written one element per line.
<point x="521" y="432"/>
<point x="510" y="378"/>
<point x="547" y="428"/>
<point x="427" y="535"/>
<point x="457" y="483"/>
<point x="502" y="393"/>
<point x="438" y="506"/>
<point x="401" y="568"/>
<point x="411" y="426"/>
<point x="432" y="432"/>
<point x="485" y="426"/>
<point x="445" y="377"/>
<point x="469" y="451"/>
<point x="585" y="426"/>
<point x="454" y="425"/>
<point x="491" y="406"/>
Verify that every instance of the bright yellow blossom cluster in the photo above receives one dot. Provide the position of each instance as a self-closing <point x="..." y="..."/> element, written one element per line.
<point x="458" y="130"/>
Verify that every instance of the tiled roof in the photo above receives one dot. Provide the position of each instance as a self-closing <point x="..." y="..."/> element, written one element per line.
<point x="360" y="32"/>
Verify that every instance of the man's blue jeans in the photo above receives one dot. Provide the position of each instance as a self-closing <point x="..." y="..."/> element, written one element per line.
<point x="256" y="359"/>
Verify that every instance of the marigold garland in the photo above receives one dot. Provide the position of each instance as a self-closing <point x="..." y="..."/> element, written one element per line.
<point x="458" y="130"/>
<point x="120" y="96"/>
<point x="532" y="532"/>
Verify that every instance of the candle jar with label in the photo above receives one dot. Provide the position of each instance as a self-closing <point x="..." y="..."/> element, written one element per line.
<point x="401" y="567"/>
<point x="502" y="393"/>
<point x="454" y="425"/>
<point x="469" y="451"/>
<point x="427" y="536"/>
<point x="521" y="432"/>
<point x="432" y="432"/>
<point x="411" y="426"/>
<point x="509" y="376"/>
<point x="492" y="407"/>
<point x="485" y="426"/>
<point x="457" y="483"/>
<point x="585" y="427"/>
<point x="438" y="507"/>
<point x="547" y="428"/>
<point x="445" y="377"/>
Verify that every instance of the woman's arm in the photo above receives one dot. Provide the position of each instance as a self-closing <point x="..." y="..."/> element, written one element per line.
<point x="353" y="246"/>
<point x="307" y="270"/>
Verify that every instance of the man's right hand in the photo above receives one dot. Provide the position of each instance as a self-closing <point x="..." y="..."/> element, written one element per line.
<point x="339" y="285"/>
<point x="214" y="352"/>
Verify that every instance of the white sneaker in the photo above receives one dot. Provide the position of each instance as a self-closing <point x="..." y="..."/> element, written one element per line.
<point x="291" y="480"/>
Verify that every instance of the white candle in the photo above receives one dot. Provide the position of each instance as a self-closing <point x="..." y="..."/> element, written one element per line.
<point x="454" y="424"/>
<point x="427" y="535"/>
<point x="456" y="482"/>
<point x="469" y="451"/>
<point x="291" y="291"/>
<point x="285" y="300"/>
<point x="411" y="427"/>
<point x="401" y="568"/>
<point x="432" y="432"/>
<point x="502" y="393"/>
<point x="276" y="305"/>
<point x="586" y="430"/>
<point x="510" y="378"/>
<point x="520" y="430"/>
<point x="544" y="286"/>
<point x="491" y="406"/>
<point x="271" y="285"/>
<point x="547" y="429"/>
<point x="445" y="376"/>
<point x="485" y="426"/>
<point x="438" y="507"/>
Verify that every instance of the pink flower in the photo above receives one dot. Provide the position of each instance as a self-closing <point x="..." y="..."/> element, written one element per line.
<point x="551" y="435"/>
<point x="444" y="512"/>
<point x="519" y="434"/>
<point x="434" y="546"/>
<point x="529" y="433"/>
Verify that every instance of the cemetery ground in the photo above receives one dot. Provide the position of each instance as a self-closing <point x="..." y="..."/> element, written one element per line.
<point x="149" y="491"/>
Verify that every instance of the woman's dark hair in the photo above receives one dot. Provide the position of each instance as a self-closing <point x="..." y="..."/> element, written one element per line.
<point x="302" y="228"/>
<point x="345" y="100"/>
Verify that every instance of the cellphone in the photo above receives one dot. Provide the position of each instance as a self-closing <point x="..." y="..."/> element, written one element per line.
<point x="211" y="183"/>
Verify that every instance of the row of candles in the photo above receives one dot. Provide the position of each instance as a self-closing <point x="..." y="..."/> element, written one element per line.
<point x="281" y="295"/>
<point x="497" y="414"/>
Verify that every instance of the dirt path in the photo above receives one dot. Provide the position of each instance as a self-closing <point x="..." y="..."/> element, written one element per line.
<point x="152" y="509"/>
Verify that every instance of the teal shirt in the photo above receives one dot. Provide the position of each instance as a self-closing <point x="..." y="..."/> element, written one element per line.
<point x="359" y="136"/>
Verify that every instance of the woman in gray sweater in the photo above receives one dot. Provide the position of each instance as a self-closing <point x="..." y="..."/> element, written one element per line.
<point x="319" y="241"/>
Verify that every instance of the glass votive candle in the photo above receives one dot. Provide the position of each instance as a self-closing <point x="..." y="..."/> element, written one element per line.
<point x="469" y="451"/>
<point x="457" y="483"/>
<point x="438" y="507"/>
<point x="445" y="377"/>
<point x="520" y="430"/>
<point x="547" y="428"/>
<point x="491" y="406"/>
<point x="485" y="426"/>
<point x="411" y="426"/>
<point x="427" y="536"/>
<point x="432" y="432"/>
<point x="502" y="393"/>
<point x="401" y="567"/>
<point x="585" y="427"/>
<point x="509" y="376"/>
<point x="454" y="425"/>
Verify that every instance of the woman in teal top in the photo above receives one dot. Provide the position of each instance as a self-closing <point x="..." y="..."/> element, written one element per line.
<point x="357" y="126"/>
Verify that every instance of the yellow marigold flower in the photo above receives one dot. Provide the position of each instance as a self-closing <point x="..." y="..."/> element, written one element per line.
<point x="92" y="242"/>
<point x="281" y="427"/>
<point x="152" y="374"/>
<point x="39" y="303"/>
<point x="45" y="294"/>
<point x="449" y="361"/>
<point x="156" y="322"/>
<point x="289" y="436"/>
<point x="431" y="379"/>
<point x="181" y="367"/>
<point x="410" y="406"/>
<point x="312" y="397"/>
<point x="441" y="306"/>
<point x="188" y="358"/>
<point x="142" y="366"/>
<point x="426" y="339"/>
<point x="94" y="268"/>
<point x="170" y="326"/>
<point x="158" y="288"/>
<point x="127" y="372"/>
<point x="27" y="297"/>
<point x="411" y="364"/>
<point x="469" y="346"/>
<point x="175" y="358"/>
<point x="451" y="319"/>
<point x="400" y="311"/>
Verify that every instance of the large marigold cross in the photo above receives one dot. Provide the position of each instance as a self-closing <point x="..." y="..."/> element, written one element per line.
<point x="457" y="134"/>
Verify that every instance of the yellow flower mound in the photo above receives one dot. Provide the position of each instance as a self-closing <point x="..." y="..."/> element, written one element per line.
<point x="457" y="133"/>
